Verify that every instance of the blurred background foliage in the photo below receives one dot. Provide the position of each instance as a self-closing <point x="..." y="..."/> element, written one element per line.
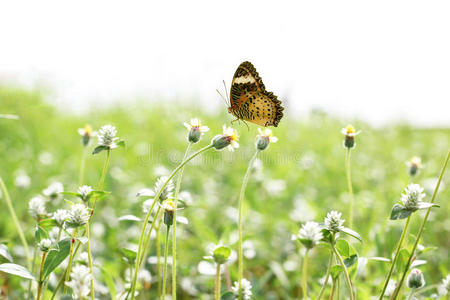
<point x="300" y="178"/>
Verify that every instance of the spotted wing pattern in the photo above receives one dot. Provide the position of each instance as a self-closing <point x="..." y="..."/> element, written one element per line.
<point x="249" y="100"/>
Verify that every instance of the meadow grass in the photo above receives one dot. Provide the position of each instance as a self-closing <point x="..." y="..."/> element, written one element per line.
<point x="301" y="178"/>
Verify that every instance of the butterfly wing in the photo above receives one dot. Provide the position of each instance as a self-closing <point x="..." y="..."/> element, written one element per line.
<point x="249" y="99"/>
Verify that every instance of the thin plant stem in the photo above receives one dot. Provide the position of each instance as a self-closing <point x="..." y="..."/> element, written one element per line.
<point x="305" y="275"/>
<point x="33" y="264"/>
<point x="61" y="280"/>
<point x="350" y="188"/>
<point x="147" y="217"/>
<point x="166" y="253"/>
<point x="422" y="226"/>
<point x="241" y="201"/>
<point x="88" y="244"/>
<point x="16" y="221"/>
<point x="174" y="227"/>
<point x="69" y="266"/>
<point x="347" y="277"/>
<point x="327" y="277"/>
<point x="217" y="286"/>
<point x="411" y="294"/>
<point x="158" y="260"/>
<point x="394" y="261"/>
<point x="333" y="289"/>
<point x="82" y="167"/>
<point x="40" y="283"/>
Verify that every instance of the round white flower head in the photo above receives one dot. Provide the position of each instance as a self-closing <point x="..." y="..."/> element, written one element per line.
<point x="83" y="257"/>
<point x="60" y="216"/>
<point x="229" y="139"/>
<point x="246" y="289"/>
<point x="36" y="207"/>
<point x="45" y="245"/>
<point x="413" y="196"/>
<point x="107" y="136"/>
<point x="84" y="191"/>
<point x="80" y="282"/>
<point x="22" y="180"/>
<point x="333" y="221"/>
<point x="444" y="287"/>
<point x="167" y="192"/>
<point x="415" y="279"/>
<point x="54" y="190"/>
<point x="78" y="215"/>
<point x="145" y="276"/>
<point x="195" y="130"/>
<point x="310" y="234"/>
<point x="264" y="138"/>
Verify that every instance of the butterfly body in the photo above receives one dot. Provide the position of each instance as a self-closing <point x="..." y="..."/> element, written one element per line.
<point x="249" y="100"/>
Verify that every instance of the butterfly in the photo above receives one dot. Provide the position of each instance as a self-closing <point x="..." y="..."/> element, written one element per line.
<point x="249" y="100"/>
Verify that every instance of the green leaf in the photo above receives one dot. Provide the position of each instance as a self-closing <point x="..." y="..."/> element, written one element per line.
<point x="130" y="218"/>
<point x="427" y="249"/>
<point x="228" y="296"/>
<point x="5" y="253"/>
<point x="327" y="237"/>
<point x="99" y="149"/>
<point x="8" y="116"/>
<point x="402" y="259"/>
<point x="351" y="233"/>
<point x="107" y="277"/>
<point x="48" y="224"/>
<point x="399" y="212"/>
<point x="72" y="194"/>
<point x="350" y="261"/>
<point x="56" y="256"/>
<point x="121" y="143"/>
<point x="98" y="194"/>
<point x="425" y="205"/>
<point x="377" y="258"/>
<point x="17" y="270"/>
<point x="129" y="255"/>
<point x="343" y="248"/>
<point x="335" y="271"/>
<point x="40" y="234"/>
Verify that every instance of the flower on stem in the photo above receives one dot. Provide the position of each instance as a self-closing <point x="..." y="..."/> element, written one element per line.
<point x="412" y="198"/>
<point x="168" y="207"/>
<point x="60" y="216"/>
<point x="81" y="281"/>
<point x="350" y="133"/>
<point x="45" y="245"/>
<point x="107" y="136"/>
<point x="264" y="139"/>
<point x="195" y="130"/>
<point x="333" y="221"/>
<point x="246" y="289"/>
<point x="220" y="254"/>
<point x="78" y="215"/>
<point x="36" y="207"/>
<point x="414" y="165"/>
<point x="444" y="287"/>
<point x="310" y="234"/>
<point x="415" y="279"/>
<point x="54" y="191"/>
<point x="167" y="192"/>
<point x="86" y="134"/>
<point x="84" y="192"/>
<point x="229" y="139"/>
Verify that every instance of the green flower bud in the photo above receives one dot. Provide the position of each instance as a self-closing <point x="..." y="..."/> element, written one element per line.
<point x="221" y="254"/>
<point x="415" y="279"/>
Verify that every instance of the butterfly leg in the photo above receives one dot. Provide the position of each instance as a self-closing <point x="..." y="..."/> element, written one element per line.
<point x="248" y="128"/>
<point x="237" y="119"/>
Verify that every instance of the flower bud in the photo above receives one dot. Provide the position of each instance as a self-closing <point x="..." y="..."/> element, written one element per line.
<point x="264" y="139"/>
<point x="221" y="254"/>
<point x="195" y="130"/>
<point x="229" y="139"/>
<point x="86" y="134"/>
<point x="350" y="133"/>
<point x="44" y="245"/>
<point x="169" y="208"/>
<point x="414" y="165"/>
<point x="415" y="279"/>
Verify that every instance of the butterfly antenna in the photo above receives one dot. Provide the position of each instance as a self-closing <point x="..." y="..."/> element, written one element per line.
<point x="226" y="92"/>
<point x="222" y="97"/>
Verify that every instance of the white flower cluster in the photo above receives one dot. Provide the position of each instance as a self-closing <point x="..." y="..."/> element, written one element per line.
<point x="246" y="289"/>
<point x="44" y="245"/>
<point x="333" y="221"/>
<point x="107" y="136"/>
<point x="36" y="207"/>
<point x="413" y="196"/>
<point x="84" y="191"/>
<point x="60" y="216"/>
<point x="80" y="283"/>
<point x="444" y="287"/>
<point x="54" y="191"/>
<point x="78" y="215"/>
<point x="310" y="234"/>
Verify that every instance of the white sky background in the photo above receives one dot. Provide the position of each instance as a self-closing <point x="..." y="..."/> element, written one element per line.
<point x="378" y="60"/>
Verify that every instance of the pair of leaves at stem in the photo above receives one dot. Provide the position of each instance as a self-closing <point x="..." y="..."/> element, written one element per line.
<point x="93" y="194"/>
<point x="349" y="255"/>
<point x="327" y="235"/>
<point x="129" y="256"/>
<point x="399" y="211"/>
<point x="98" y="149"/>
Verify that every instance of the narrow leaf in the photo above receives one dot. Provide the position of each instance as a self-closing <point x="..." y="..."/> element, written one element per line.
<point x="129" y="218"/>
<point x="351" y="233"/>
<point x="335" y="271"/>
<point x="399" y="212"/>
<point x="56" y="256"/>
<point x="5" y="253"/>
<point x="16" y="270"/>
<point x="99" y="149"/>
<point x="109" y="280"/>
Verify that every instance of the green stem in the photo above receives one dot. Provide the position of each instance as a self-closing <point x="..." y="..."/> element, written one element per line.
<point x="411" y="294"/>
<point x="158" y="259"/>
<point x="350" y="188"/>
<point x="241" y="201"/>
<point x="305" y="275"/>
<point x="105" y="168"/>
<point x="333" y="289"/>
<point x="147" y="217"/>
<point x="39" y="291"/>
<point x="174" y="228"/>
<point x="61" y="280"/>
<point x="397" y="251"/>
<point x="217" y="292"/>
<point x="82" y="167"/>
<point x="88" y="246"/>
<point x="347" y="277"/>
<point x="69" y="266"/>
<point x="166" y="253"/>
<point x="327" y="276"/>
<point x="422" y="226"/>
<point x="32" y="269"/>
<point x="16" y="222"/>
